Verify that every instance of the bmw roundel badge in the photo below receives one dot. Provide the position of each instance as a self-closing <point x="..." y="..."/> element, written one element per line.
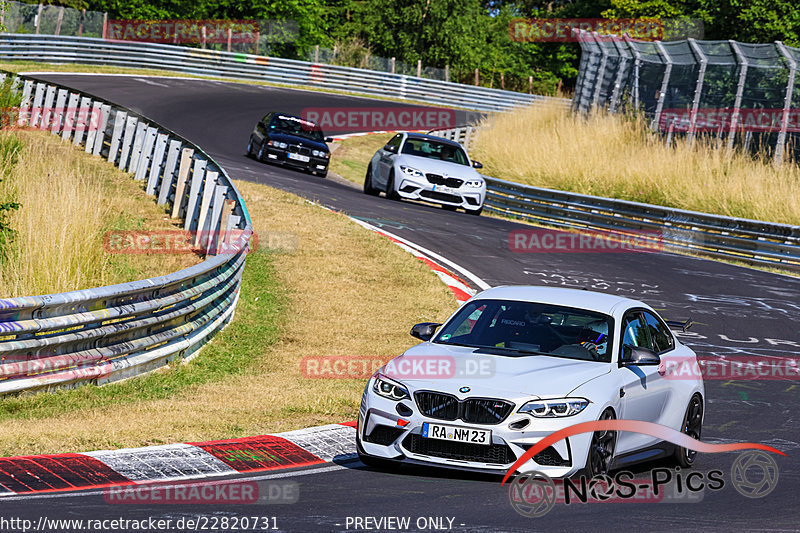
<point x="464" y="389"/>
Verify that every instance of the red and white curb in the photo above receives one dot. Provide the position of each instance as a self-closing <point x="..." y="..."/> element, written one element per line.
<point x="461" y="290"/>
<point x="173" y="462"/>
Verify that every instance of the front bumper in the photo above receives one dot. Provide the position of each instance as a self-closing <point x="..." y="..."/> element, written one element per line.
<point x="381" y="435"/>
<point x="416" y="188"/>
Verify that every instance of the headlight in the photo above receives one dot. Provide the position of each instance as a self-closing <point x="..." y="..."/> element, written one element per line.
<point x="281" y="145"/>
<point x="474" y="183"/>
<point x="411" y="171"/>
<point x="555" y="408"/>
<point x="387" y="388"/>
<point x="318" y="153"/>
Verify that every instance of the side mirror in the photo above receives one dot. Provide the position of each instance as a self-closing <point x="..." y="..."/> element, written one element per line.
<point x="328" y="139"/>
<point x="477" y="164"/>
<point x="390" y="148"/>
<point x="636" y="355"/>
<point x="424" y="330"/>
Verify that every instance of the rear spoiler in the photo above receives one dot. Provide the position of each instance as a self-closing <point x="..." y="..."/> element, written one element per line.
<point x="677" y="324"/>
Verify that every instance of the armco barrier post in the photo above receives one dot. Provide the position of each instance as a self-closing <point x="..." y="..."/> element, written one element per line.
<point x="131" y="124"/>
<point x="662" y="93"/>
<point x="120" y="117"/>
<point x="168" y="176"/>
<point x="700" y="57"/>
<point x="157" y="163"/>
<point x="187" y="155"/>
<point x="737" y="101"/>
<point x="100" y="136"/>
<point x="137" y="146"/>
<point x="192" y="206"/>
<point x="146" y="154"/>
<point x="209" y="185"/>
<point x="787" y="102"/>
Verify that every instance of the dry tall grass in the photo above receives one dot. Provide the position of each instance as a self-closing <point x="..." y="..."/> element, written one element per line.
<point x="615" y="156"/>
<point x="69" y="200"/>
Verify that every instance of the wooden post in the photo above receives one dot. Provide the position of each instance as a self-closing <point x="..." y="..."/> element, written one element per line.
<point x="502" y="81"/>
<point x="39" y="18"/>
<point x="477" y="78"/>
<point x="392" y="65"/>
<point x="83" y="18"/>
<point x="316" y="53"/>
<point x="258" y="38"/>
<point x="60" y="19"/>
<point x="105" y="25"/>
<point x="230" y="34"/>
<point x="530" y="84"/>
<point x="419" y="68"/>
<point x="202" y="34"/>
<point x="447" y="73"/>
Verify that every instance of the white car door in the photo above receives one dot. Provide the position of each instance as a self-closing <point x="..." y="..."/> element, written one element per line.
<point x="644" y="391"/>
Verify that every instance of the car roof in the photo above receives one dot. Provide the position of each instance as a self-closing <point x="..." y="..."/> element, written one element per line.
<point x="427" y="137"/>
<point x="576" y="298"/>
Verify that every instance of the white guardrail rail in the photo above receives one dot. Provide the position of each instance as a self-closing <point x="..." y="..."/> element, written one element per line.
<point x="750" y="241"/>
<point x="109" y="333"/>
<point x="198" y="61"/>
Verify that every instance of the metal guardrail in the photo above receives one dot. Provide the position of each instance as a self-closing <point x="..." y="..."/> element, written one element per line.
<point x="83" y="50"/>
<point x="750" y="241"/>
<point x="110" y="333"/>
<point x="461" y="134"/>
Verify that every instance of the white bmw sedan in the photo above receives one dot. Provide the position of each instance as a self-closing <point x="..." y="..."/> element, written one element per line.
<point x="517" y="363"/>
<point x="423" y="167"/>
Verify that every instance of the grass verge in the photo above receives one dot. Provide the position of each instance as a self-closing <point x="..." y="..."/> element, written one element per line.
<point x="617" y="157"/>
<point x="69" y="201"/>
<point x="344" y="291"/>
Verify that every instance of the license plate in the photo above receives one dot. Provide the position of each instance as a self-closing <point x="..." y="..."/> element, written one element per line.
<point x="444" y="189"/>
<point x="299" y="157"/>
<point x="457" y="434"/>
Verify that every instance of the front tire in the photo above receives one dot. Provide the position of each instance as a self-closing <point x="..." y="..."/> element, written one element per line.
<point x="373" y="462"/>
<point x="601" y="449"/>
<point x="693" y="427"/>
<point x="260" y="155"/>
<point x="250" y="148"/>
<point x="368" y="188"/>
<point x="391" y="194"/>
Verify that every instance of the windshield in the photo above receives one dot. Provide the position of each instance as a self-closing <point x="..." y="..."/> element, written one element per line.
<point x="435" y="150"/>
<point x="296" y="126"/>
<point x="525" y="328"/>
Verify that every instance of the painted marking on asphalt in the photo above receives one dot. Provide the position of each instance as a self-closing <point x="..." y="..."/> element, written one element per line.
<point x="55" y="472"/>
<point x="265" y="452"/>
<point x="326" y="442"/>
<point x="170" y="461"/>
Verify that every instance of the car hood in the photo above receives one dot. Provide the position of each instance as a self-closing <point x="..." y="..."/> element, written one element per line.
<point x="435" y="166"/>
<point x="536" y="376"/>
<point x="297" y="139"/>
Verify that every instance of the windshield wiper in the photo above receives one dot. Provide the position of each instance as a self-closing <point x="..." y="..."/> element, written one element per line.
<point x="508" y="351"/>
